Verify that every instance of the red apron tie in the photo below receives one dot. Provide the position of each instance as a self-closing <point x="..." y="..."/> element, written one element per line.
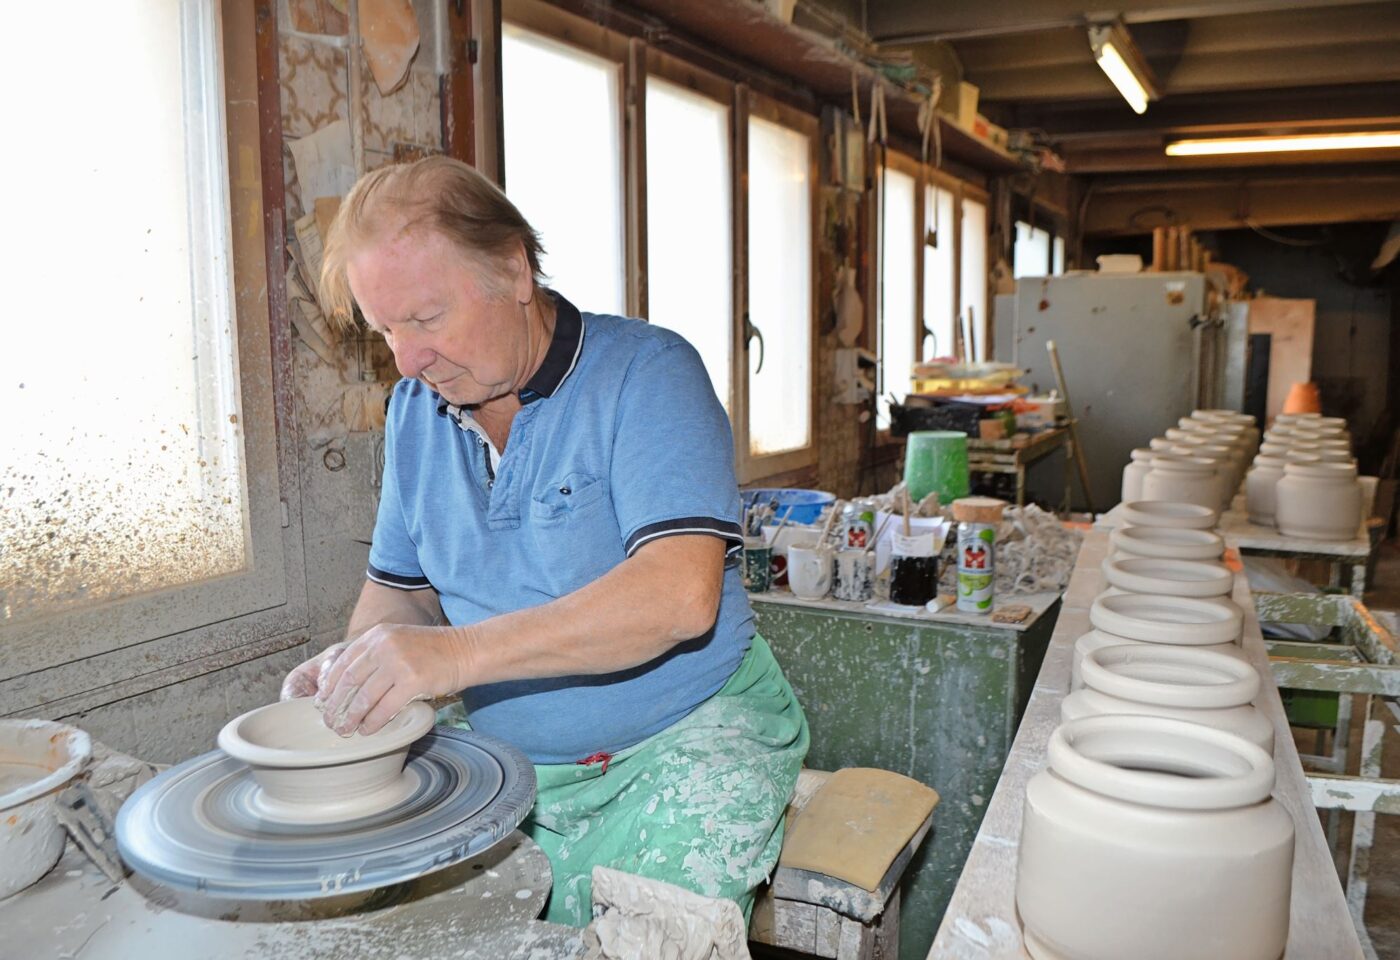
<point x="599" y="757"/>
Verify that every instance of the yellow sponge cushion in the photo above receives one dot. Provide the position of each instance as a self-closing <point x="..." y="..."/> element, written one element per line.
<point x="856" y="825"/>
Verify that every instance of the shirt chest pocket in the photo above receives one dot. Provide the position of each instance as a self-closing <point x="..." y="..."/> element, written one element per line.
<point x="574" y="498"/>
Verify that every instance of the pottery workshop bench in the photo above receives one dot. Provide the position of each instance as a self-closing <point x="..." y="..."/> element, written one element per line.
<point x="935" y="697"/>
<point x="981" y="922"/>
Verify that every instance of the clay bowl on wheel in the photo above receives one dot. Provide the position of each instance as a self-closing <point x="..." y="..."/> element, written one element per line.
<point x="307" y="773"/>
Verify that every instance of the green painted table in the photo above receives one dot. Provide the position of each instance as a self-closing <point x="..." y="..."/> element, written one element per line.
<point x="936" y="697"/>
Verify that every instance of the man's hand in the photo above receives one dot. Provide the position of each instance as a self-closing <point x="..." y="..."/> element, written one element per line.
<point x="388" y="666"/>
<point x="309" y="678"/>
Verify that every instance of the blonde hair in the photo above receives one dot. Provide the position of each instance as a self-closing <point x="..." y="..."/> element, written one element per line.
<point x="437" y="193"/>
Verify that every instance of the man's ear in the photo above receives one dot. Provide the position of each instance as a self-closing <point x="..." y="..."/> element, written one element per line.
<point x="519" y="274"/>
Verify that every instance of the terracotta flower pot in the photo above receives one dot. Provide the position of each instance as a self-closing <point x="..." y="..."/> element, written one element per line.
<point x="1154" y="839"/>
<point x="1302" y="398"/>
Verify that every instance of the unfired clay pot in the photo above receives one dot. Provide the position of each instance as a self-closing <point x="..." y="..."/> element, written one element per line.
<point x="37" y="760"/>
<point x="1185" y="683"/>
<point x="1183" y="479"/>
<point x="1263" y="478"/>
<point x="1133" y="473"/>
<point x="1153" y="839"/>
<point x="310" y="774"/>
<point x="1167" y="542"/>
<point x="1168" y="577"/>
<point x="1151" y="618"/>
<point x="1169" y="513"/>
<point x="1318" y="501"/>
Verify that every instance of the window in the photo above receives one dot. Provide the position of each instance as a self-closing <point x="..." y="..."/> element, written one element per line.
<point x="138" y="469"/>
<point x="898" y="289"/>
<point x="1032" y="251"/>
<point x="779" y="287"/>
<point x="689" y="224"/>
<point x="973" y="277"/>
<point x="1057" y="258"/>
<point x="563" y="155"/>
<point x="940" y="272"/>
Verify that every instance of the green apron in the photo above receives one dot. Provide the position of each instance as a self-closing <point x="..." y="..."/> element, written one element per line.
<point x="699" y="805"/>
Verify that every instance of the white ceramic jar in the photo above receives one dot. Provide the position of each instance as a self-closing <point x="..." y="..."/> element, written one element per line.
<point x="1262" y="481"/>
<point x="1133" y="474"/>
<point x="1168" y="513"/>
<point x="1183" y="683"/>
<point x="1168" y="543"/>
<point x="1318" y="501"/>
<point x="1183" y="479"/>
<point x="1153" y="839"/>
<point x="1213" y="624"/>
<point x="1168" y="577"/>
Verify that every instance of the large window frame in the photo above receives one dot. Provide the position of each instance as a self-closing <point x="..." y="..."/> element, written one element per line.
<point x="960" y="190"/>
<point x="637" y="60"/>
<point x="76" y="659"/>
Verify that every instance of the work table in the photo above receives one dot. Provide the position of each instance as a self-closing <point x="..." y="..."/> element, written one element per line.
<point x="981" y="921"/>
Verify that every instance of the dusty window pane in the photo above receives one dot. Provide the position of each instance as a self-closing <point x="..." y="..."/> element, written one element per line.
<point x="973" y="277"/>
<point x="563" y="145"/>
<point x="940" y="308"/>
<point x="780" y="279"/>
<point x="689" y="274"/>
<point x="121" y="460"/>
<point x="897" y="292"/>
<point x="1032" y="251"/>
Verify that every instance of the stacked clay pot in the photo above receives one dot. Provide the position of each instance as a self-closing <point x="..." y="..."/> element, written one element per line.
<point x="1153" y="833"/>
<point x="1310" y="456"/>
<point x="1228" y="440"/>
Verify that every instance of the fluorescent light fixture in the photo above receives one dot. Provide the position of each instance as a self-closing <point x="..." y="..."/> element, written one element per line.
<point x="1120" y="60"/>
<point x="1379" y="139"/>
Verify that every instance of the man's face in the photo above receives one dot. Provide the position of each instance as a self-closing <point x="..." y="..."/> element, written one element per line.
<point x="445" y="325"/>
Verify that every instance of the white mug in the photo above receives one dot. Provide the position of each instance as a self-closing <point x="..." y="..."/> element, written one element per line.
<point x="809" y="569"/>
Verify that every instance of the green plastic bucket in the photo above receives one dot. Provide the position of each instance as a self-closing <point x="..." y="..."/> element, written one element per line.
<point x="935" y="461"/>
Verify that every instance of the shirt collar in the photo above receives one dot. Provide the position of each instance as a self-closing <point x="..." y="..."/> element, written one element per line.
<point x="559" y="360"/>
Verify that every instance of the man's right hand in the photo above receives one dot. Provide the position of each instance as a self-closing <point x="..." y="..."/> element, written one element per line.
<point x="308" y="679"/>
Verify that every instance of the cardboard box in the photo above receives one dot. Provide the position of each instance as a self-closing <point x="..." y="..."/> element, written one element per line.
<point x="968" y="94"/>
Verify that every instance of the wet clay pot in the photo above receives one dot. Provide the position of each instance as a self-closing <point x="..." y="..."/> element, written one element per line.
<point x="1318" y="501"/>
<point x="1184" y="683"/>
<point x="1169" y="513"/>
<point x="1149" y="618"/>
<point x="38" y="758"/>
<point x="1263" y="478"/>
<point x="1133" y="474"/>
<point x="1172" y="543"/>
<point x="1168" y="577"/>
<point x="1183" y="480"/>
<point x="1153" y="839"/>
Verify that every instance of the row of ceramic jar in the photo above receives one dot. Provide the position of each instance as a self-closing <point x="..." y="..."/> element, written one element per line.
<point x="1303" y="481"/>
<point x="1201" y="460"/>
<point x="1153" y="833"/>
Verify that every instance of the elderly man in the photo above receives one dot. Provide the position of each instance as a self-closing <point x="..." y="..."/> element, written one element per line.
<point x="556" y="541"/>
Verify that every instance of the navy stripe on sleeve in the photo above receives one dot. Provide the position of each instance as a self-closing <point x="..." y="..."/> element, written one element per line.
<point x="726" y="530"/>
<point x="396" y="580"/>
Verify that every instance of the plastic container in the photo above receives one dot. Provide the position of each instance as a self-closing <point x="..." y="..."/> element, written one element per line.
<point x="935" y="461"/>
<point x="807" y="505"/>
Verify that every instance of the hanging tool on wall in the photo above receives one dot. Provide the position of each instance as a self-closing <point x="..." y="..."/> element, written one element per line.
<point x="1077" y="447"/>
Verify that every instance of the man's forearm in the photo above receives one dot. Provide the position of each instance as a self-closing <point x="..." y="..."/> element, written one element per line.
<point x="668" y="593"/>
<point x="381" y="604"/>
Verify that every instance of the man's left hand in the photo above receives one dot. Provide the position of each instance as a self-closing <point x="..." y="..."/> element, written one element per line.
<point x="388" y="666"/>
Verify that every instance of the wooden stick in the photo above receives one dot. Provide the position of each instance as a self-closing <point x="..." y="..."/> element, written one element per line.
<point x="906" y="506"/>
<point x="826" y="527"/>
<point x="876" y="539"/>
<point x="1079" y="460"/>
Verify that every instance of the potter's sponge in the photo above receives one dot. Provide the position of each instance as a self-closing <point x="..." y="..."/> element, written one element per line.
<point x="856" y="825"/>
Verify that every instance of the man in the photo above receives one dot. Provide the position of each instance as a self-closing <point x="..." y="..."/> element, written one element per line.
<point x="556" y="541"/>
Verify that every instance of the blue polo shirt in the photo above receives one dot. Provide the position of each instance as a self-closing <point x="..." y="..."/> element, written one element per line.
<point x="621" y="441"/>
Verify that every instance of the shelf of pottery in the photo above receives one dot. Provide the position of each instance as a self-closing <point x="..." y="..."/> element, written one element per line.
<point x="1153" y="805"/>
<point x="1301" y="480"/>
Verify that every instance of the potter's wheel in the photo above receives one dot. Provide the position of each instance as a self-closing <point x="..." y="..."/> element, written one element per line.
<point x="199" y="826"/>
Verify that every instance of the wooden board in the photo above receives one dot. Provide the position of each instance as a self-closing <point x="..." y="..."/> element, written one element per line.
<point x="981" y="921"/>
<point x="1290" y="325"/>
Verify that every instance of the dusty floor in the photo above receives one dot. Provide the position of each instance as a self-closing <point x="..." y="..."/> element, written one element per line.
<point x="1383" y="899"/>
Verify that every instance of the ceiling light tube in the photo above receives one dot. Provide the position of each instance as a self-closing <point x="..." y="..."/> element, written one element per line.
<point x="1375" y="140"/>
<point x="1124" y="66"/>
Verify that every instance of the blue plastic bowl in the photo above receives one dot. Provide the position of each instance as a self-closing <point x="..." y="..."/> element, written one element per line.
<point x="807" y="505"/>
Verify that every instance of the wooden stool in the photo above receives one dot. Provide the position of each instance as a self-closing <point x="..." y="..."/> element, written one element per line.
<point x="850" y="836"/>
